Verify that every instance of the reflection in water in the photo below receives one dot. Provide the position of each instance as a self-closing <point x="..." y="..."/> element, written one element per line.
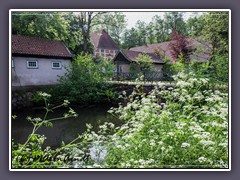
<point x="63" y="130"/>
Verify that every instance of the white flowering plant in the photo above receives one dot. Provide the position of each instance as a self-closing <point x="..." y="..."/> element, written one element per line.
<point x="31" y="154"/>
<point x="184" y="126"/>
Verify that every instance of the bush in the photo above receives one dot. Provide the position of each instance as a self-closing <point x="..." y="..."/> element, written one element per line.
<point x="215" y="70"/>
<point x="85" y="81"/>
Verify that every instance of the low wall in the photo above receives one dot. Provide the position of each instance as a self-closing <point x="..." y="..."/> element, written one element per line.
<point x="21" y="99"/>
<point x="22" y="96"/>
<point x="128" y="87"/>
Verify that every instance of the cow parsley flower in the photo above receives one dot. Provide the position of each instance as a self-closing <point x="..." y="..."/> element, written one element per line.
<point x="185" y="145"/>
<point x="43" y="94"/>
<point x="206" y="143"/>
<point x="202" y="159"/>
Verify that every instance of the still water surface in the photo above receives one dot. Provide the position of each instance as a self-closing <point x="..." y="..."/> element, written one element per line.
<point x="63" y="130"/>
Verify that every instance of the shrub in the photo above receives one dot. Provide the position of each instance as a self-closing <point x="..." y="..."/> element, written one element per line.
<point x="85" y="81"/>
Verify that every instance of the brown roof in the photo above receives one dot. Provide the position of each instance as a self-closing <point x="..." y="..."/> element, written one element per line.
<point x="34" y="46"/>
<point x="103" y="40"/>
<point x="131" y="56"/>
<point x="151" y="48"/>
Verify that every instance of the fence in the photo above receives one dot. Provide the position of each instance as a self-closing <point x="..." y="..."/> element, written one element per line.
<point x="148" y="76"/>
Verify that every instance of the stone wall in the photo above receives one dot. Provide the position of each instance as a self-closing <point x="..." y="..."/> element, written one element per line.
<point x="21" y="99"/>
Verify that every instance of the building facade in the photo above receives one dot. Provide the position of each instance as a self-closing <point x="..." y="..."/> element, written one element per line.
<point x="36" y="61"/>
<point x="104" y="46"/>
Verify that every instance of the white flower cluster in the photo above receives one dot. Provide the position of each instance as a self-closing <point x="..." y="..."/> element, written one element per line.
<point x="70" y="113"/>
<point x="66" y="103"/>
<point x="152" y="142"/>
<point x="180" y="125"/>
<point x="223" y="144"/>
<point x="202" y="136"/>
<point x="206" y="142"/>
<point x="185" y="145"/>
<point x="196" y="128"/>
<point x="223" y="125"/>
<point x="43" y="94"/>
<point x="202" y="159"/>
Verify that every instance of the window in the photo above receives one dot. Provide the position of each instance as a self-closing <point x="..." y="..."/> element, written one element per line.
<point x="102" y="52"/>
<point x="56" y="65"/>
<point x="12" y="63"/>
<point x="32" y="64"/>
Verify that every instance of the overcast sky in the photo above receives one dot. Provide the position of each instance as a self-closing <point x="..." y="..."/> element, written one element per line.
<point x="133" y="17"/>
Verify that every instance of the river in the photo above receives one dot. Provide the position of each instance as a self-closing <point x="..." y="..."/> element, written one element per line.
<point x="63" y="130"/>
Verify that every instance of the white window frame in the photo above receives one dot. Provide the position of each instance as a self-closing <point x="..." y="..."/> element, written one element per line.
<point x="60" y="65"/>
<point x="32" y="67"/>
<point x="102" y="52"/>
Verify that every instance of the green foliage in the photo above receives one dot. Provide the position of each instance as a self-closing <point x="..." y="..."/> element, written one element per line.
<point x="114" y="23"/>
<point x="133" y="67"/>
<point x="50" y="25"/>
<point x="31" y="154"/>
<point x="85" y="81"/>
<point x="130" y="38"/>
<point x="214" y="29"/>
<point x="189" y="129"/>
<point x="174" y="22"/>
<point x="145" y="62"/>
<point x="170" y="69"/>
<point x="184" y="126"/>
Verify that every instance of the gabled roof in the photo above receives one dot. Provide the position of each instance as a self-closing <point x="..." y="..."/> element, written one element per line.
<point x="151" y="48"/>
<point x="34" y="46"/>
<point x="131" y="56"/>
<point x="103" y="40"/>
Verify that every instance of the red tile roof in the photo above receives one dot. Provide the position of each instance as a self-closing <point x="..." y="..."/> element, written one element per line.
<point x="34" y="46"/>
<point x="103" y="40"/>
<point x="131" y="56"/>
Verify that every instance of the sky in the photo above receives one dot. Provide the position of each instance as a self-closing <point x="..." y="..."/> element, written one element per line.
<point x="133" y="17"/>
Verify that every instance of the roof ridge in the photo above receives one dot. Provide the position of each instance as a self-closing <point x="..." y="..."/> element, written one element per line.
<point x="37" y="37"/>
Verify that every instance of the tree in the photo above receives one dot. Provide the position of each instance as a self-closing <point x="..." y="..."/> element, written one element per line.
<point x="114" y="23"/>
<point x="160" y="29"/>
<point x="145" y="63"/>
<point x="130" y="38"/>
<point x="50" y="25"/>
<point x="150" y="33"/>
<point x="179" y="46"/>
<point x="86" y="21"/>
<point x="212" y="28"/>
<point x="142" y="32"/>
<point x="174" y="22"/>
